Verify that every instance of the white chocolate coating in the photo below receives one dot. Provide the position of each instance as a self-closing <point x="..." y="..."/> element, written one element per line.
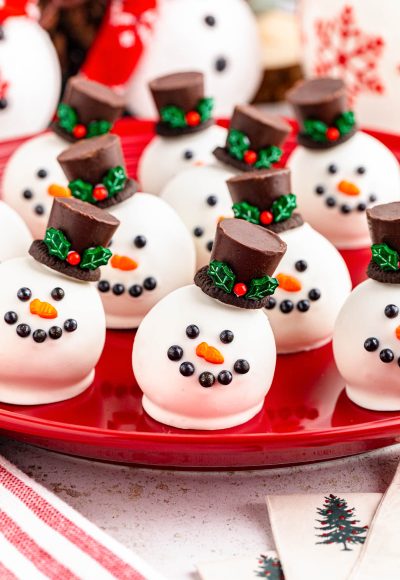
<point x="188" y="193"/>
<point x="381" y="178"/>
<point x="15" y="238"/>
<point x="170" y="397"/>
<point x="168" y="257"/>
<point x="33" y="373"/>
<point x="164" y="157"/>
<point x="183" y="41"/>
<point x="29" y="63"/>
<point x="327" y="272"/>
<point x="370" y="382"/>
<point x="21" y="174"/>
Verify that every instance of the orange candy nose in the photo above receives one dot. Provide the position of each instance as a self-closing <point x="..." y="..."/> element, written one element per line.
<point x="123" y="263"/>
<point x="58" y="190"/>
<point x="43" y="309"/>
<point x="348" y="188"/>
<point x="397" y="331"/>
<point x="209" y="353"/>
<point x="289" y="283"/>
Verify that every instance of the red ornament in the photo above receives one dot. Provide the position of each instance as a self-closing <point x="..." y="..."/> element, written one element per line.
<point x="250" y="157"/>
<point x="100" y="192"/>
<point x="332" y="134"/>
<point x="240" y="289"/>
<point x="341" y="517"/>
<point x="266" y="218"/>
<point x="73" y="258"/>
<point x="341" y="527"/>
<point x="79" y="131"/>
<point x="193" y="118"/>
<point x="329" y="512"/>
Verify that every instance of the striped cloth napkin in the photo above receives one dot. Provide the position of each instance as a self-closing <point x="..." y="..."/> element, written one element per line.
<point x="42" y="537"/>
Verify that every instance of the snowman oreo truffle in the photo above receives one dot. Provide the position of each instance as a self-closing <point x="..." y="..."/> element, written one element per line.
<point x="30" y="75"/>
<point x="32" y="177"/>
<point x="200" y="195"/>
<point x="15" y="237"/>
<point x="210" y="341"/>
<point x="153" y="252"/>
<point x="186" y="134"/>
<point x="313" y="278"/>
<point x="366" y="341"/>
<point x="337" y="171"/>
<point x="52" y="320"/>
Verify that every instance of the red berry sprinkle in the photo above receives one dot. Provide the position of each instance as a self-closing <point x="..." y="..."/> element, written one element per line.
<point x="266" y="218"/>
<point x="73" y="258"/>
<point x="79" y="131"/>
<point x="250" y="157"/>
<point x="193" y="118"/>
<point x="240" y="289"/>
<point x="100" y="192"/>
<point x="332" y="134"/>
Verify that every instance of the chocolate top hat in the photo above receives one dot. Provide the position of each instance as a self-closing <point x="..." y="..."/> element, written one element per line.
<point x="243" y="260"/>
<point x="265" y="198"/>
<point x="76" y="240"/>
<point x="254" y="139"/>
<point x="181" y="103"/>
<point x="384" y="227"/>
<point x="87" y="109"/>
<point x="96" y="171"/>
<point x="320" y="106"/>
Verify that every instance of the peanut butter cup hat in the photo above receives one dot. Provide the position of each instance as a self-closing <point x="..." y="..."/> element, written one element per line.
<point x="96" y="171"/>
<point x="265" y="198"/>
<point x="243" y="260"/>
<point x="87" y="109"/>
<point x="181" y="104"/>
<point x="384" y="227"/>
<point x="76" y="240"/>
<point x="320" y="106"/>
<point x="254" y="139"/>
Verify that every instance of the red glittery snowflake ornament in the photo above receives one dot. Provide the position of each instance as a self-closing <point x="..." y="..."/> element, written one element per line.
<point x="345" y="50"/>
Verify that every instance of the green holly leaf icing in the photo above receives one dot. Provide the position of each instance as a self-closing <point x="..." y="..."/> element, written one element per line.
<point x="67" y="117"/>
<point x="205" y="108"/>
<point x="386" y="258"/>
<point x="261" y="287"/>
<point x="95" y="257"/>
<point x="283" y="207"/>
<point x="345" y="122"/>
<point x="222" y="276"/>
<point x="315" y="129"/>
<point x="57" y="244"/>
<point x="246" y="211"/>
<point x="81" y="190"/>
<point x="97" y="128"/>
<point x="268" y="156"/>
<point x="173" y="116"/>
<point x="238" y="143"/>
<point x="115" y="180"/>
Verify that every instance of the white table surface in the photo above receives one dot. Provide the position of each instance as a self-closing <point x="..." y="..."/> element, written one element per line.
<point x="176" y="519"/>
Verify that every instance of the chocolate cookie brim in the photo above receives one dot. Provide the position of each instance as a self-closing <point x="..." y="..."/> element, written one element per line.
<point x="386" y="277"/>
<point x="295" y="221"/>
<point x="308" y="143"/>
<point x="39" y="251"/>
<point x="222" y="154"/>
<point x="55" y="127"/>
<point x="204" y="282"/>
<point x="130" y="188"/>
<point x="165" y="130"/>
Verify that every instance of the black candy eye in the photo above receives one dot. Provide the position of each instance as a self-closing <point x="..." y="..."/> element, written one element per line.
<point x="42" y="173"/>
<point x="198" y="232"/>
<point x="301" y="265"/>
<point x="212" y="200"/>
<point x="57" y="294"/>
<point x="188" y="154"/>
<point x="361" y="170"/>
<point x="226" y="336"/>
<point x="27" y="194"/>
<point x="24" y="294"/>
<point x="140" y="241"/>
<point x="220" y="64"/>
<point x="39" y="209"/>
<point x="332" y="168"/>
<point x="192" y="331"/>
<point x="320" y="190"/>
<point x="210" y="20"/>
<point x="391" y="311"/>
<point x="110" y="243"/>
<point x="209" y="245"/>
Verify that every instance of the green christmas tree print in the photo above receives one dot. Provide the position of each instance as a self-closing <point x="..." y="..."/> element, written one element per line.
<point x="338" y="525"/>
<point x="270" y="568"/>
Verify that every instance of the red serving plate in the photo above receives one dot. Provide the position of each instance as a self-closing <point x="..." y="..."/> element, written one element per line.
<point x="306" y="417"/>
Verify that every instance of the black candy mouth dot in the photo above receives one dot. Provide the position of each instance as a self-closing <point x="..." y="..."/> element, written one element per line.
<point x="386" y="355"/>
<point x="136" y="290"/>
<point x="39" y="335"/>
<point x="287" y="306"/>
<point x="331" y="201"/>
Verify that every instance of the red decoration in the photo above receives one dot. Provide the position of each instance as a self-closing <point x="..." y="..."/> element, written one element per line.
<point x="329" y="512"/>
<point x="240" y="289"/>
<point x="79" y="131"/>
<point x="10" y="8"/>
<point x="332" y="134"/>
<point x="346" y="51"/>
<point x="266" y="218"/>
<point x="250" y="157"/>
<point x="73" y="258"/>
<point x="100" y="192"/>
<point x="193" y="118"/>
<point x="341" y="517"/>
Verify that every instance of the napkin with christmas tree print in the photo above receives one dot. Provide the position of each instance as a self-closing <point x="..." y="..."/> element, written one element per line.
<point x="266" y="565"/>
